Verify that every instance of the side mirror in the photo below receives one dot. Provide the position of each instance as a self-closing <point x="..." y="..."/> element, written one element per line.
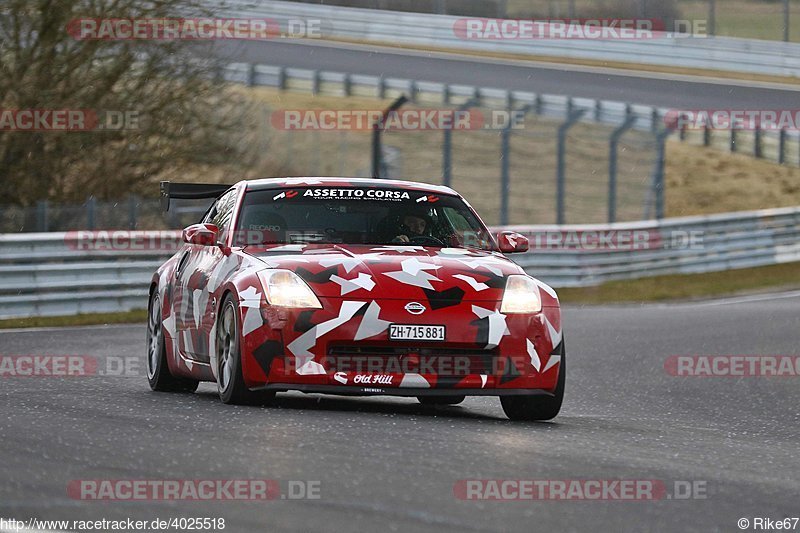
<point x="202" y="234"/>
<point x="511" y="242"/>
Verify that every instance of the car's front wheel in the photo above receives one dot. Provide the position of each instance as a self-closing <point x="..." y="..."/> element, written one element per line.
<point x="158" y="374"/>
<point x="533" y="408"/>
<point x="230" y="381"/>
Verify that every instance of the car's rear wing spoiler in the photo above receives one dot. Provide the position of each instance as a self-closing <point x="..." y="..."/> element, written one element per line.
<point x="190" y="191"/>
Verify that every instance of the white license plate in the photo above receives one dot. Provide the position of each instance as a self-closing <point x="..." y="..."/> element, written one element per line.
<point x="413" y="332"/>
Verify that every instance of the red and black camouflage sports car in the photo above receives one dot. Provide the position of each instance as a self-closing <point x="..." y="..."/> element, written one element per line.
<point x="356" y="287"/>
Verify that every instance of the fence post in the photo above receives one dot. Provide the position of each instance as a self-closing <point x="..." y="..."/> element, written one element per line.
<point x="505" y="174"/>
<point x="42" y="216"/>
<point x="412" y="90"/>
<point x="90" y="212"/>
<point x="706" y="135"/>
<point x="712" y="18"/>
<point x="733" y="139"/>
<point x="377" y="128"/>
<point x="658" y="173"/>
<point x="505" y="166"/>
<point x="446" y="94"/>
<point x="572" y="118"/>
<point x="447" y="146"/>
<point x="616" y="135"/>
<point x="786" y="20"/>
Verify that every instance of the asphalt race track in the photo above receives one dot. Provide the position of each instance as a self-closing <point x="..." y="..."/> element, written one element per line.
<point x="667" y="90"/>
<point x="391" y="465"/>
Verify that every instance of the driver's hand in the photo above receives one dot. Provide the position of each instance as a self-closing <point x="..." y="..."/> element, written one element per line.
<point x="401" y="238"/>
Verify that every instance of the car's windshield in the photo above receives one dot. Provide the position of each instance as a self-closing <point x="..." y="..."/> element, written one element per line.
<point x="353" y="215"/>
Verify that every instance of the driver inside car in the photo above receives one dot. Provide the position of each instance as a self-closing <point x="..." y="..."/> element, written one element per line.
<point x="411" y="226"/>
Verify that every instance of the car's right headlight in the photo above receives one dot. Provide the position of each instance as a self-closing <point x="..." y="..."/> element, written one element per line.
<point x="521" y="296"/>
<point x="284" y="288"/>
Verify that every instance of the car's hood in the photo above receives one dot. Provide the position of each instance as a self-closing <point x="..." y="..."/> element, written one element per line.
<point x="393" y="272"/>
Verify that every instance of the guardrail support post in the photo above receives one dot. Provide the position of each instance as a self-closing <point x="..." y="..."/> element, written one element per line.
<point x="382" y="88"/>
<point x="782" y="147"/>
<point x="446" y="94"/>
<point x="347" y="85"/>
<point x="616" y="135"/>
<point x="132" y="211"/>
<point x="251" y="75"/>
<point x="412" y="91"/>
<point x="574" y="116"/>
<point x="316" y="81"/>
<point x="90" y="212"/>
<point x="758" y="149"/>
<point x="282" y="78"/>
<point x="447" y="147"/>
<point x="42" y="216"/>
<point x="654" y="118"/>
<point x="377" y="128"/>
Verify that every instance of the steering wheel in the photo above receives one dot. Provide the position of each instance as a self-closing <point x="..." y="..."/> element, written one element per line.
<point x="423" y="240"/>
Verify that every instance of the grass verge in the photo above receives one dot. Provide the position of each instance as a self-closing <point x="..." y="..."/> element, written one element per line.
<point x="688" y="286"/>
<point x="88" y="319"/>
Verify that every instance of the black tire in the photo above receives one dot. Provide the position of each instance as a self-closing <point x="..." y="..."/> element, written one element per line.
<point x="440" y="400"/>
<point x="533" y="408"/>
<point x="230" y="382"/>
<point x="158" y="375"/>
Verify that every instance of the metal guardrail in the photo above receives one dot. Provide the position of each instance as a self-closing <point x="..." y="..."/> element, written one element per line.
<point x="714" y="53"/>
<point x="53" y="274"/>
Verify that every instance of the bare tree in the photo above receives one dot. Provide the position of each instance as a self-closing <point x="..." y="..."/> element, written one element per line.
<point x="183" y="112"/>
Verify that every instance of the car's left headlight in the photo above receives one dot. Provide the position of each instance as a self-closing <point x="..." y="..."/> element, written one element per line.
<point x="521" y="296"/>
<point x="284" y="288"/>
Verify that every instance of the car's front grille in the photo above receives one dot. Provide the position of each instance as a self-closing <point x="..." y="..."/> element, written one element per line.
<point x="398" y="359"/>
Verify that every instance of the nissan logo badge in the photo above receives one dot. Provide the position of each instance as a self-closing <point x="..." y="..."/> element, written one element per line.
<point x="415" y="308"/>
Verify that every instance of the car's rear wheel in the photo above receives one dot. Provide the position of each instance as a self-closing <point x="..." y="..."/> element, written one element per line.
<point x="158" y="374"/>
<point x="230" y="381"/>
<point x="440" y="400"/>
<point x="538" y="407"/>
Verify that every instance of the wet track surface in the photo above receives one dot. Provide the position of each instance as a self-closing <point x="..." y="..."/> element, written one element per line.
<point x="390" y="464"/>
<point x="666" y="90"/>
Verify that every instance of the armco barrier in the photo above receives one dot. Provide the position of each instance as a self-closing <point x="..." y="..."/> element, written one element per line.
<point x="48" y="274"/>
<point x="437" y="31"/>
